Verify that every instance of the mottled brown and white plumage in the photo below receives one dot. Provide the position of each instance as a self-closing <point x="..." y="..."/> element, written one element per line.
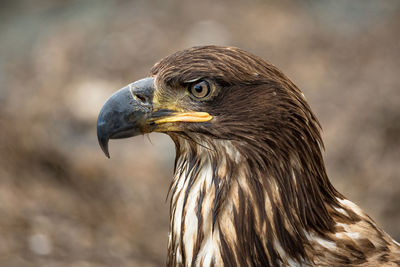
<point x="250" y="186"/>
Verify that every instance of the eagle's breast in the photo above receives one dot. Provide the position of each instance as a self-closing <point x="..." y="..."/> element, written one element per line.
<point x="210" y="204"/>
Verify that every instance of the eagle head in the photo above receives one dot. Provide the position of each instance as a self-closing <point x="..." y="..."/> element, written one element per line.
<point x="214" y="92"/>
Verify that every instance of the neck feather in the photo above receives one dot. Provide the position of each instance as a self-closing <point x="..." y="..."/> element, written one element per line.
<point x="233" y="203"/>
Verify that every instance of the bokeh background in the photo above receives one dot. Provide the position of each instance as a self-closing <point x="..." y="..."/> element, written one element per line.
<point x="63" y="203"/>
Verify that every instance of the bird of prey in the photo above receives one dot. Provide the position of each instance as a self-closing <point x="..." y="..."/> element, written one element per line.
<point x="250" y="187"/>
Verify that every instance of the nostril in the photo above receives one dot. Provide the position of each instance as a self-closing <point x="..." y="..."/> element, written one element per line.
<point x="141" y="97"/>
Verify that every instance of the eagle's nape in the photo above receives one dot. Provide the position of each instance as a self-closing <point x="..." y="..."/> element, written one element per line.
<point x="250" y="186"/>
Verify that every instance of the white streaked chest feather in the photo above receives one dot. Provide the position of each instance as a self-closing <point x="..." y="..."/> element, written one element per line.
<point x="193" y="231"/>
<point x="195" y="237"/>
<point x="191" y="214"/>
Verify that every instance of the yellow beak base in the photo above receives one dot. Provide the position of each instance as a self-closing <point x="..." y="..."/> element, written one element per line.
<point x="186" y="117"/>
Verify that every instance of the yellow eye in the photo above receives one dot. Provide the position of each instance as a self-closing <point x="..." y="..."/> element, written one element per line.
<point x="200" y="89"/>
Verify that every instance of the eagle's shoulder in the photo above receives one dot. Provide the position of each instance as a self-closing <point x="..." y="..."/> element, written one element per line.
<point x="355" y="241"/>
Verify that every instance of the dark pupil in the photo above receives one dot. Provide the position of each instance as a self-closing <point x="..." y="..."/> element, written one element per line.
<point x="198" y="88"/>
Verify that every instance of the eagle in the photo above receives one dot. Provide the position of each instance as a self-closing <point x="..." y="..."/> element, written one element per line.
<point x="250" y="186"/>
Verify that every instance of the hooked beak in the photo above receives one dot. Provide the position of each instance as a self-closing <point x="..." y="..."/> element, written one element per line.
<point x="125" y="113"/>
<point x="130" y="111"/>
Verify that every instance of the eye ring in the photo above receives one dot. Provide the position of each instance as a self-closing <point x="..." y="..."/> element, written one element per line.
<point x="200" y="89"/>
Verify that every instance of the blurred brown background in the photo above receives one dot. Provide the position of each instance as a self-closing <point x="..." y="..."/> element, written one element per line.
<point x="62" y="203"/>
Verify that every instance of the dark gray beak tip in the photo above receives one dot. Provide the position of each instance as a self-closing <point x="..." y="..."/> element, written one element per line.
<point x="104" y="147"/>
<point x="103" y="140"/>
